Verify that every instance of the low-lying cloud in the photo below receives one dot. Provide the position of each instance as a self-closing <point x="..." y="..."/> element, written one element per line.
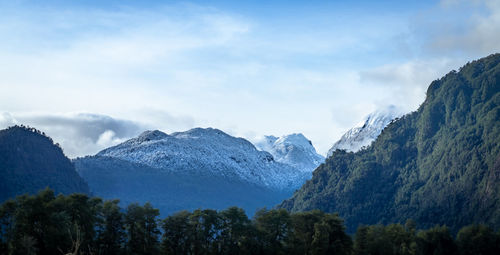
<point x="79" y="134"/>
<point x="407" y="82"/>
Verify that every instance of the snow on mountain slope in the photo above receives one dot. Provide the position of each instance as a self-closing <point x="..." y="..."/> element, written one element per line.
<point x="207" y="152"/>
<point x="294" y="149"/>
<point x="367" y="131"/>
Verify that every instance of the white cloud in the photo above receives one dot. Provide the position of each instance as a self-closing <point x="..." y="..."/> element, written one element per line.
<point x="83" y="134"/>
<point x="7" y="120"/>
<point x="405" y="84"/>
<point x="469" y="28"/>
<point x="108" y="139"/>
<point x="79" y="133"/>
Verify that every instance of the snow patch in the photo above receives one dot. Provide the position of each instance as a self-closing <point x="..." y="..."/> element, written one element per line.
<point x="363" y="134"/>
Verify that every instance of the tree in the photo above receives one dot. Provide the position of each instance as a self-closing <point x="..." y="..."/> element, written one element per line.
<point x="478" y="240"/>
<point x="142" y="228"/>
<point x="436" y="241"/>
<point x="206" y="230"/>
<point x="81" y="211"/>
<point x="177" y="234"/>
<point x="7" y="216"/>
<point x="387" y="240"/>
<point x="235" y="231"/>
<point x="361" y="241"/>
<point x="274" y="227"/>
<point x="300" y="241"/>
<point x="40" y="221"/>
<point x="110" y="229"/>
<point x="329" y="236"/>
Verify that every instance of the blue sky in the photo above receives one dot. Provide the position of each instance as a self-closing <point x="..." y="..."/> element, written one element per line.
<point x="94" y="73"/>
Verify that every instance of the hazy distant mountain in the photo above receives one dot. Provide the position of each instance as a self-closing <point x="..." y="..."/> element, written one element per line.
<point x="30" y="161"/>
<point x="366" y="132"/>
<point x="294" y="149"/>
<point x="438" y="165"/>
<point x="196" y="168"/>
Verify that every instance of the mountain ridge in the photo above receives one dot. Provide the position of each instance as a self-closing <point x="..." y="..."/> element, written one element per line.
<point x="435" y="165"/>
<point x="209" y="149"/>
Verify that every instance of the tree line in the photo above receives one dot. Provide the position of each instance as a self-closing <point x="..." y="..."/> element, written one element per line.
<point x="78" y="224"/>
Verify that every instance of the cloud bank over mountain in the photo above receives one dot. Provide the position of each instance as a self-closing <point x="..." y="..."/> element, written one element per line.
<point x="80" y="133"/>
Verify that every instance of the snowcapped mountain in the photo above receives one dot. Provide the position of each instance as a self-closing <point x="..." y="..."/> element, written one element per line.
<point x="199" y="168"/>
<point x="207" y="152"/>
<point x="294" y="149"/>
<point x="366" y="131"/>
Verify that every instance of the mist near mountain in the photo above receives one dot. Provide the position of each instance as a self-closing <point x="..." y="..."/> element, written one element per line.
<point x="364" y="133"/>
<point x="294" y="149"/>
<point x="437" y="165"/>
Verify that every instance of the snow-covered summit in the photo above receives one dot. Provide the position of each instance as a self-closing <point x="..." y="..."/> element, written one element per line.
<point x="294" y="149"/>
<point x="200" y="132"/>
<point x="207" y="152"/>
<point x="151" y="135"/>
<point x="365" y="132"/>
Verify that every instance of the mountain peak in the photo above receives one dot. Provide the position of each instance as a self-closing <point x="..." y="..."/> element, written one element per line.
<point x="151" y="135"/>
<point x="293" y="149"/>
<point x="26" y="130"/>
<point x="297" y="139"/>
<point x="365" y="132"/>
<point x="199" y="132"/>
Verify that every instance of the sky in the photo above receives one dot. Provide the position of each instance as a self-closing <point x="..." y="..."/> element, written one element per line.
<point x="92" y="74"/>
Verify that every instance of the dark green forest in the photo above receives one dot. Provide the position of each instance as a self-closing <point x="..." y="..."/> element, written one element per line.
<point x="31" y="161"/>
<point x="47" y="224"/>
<point x="437" y="165"/>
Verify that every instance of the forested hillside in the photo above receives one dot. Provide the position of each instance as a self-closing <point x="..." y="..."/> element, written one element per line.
<point x="438" y="165"/>
<point x="30" y="161"/>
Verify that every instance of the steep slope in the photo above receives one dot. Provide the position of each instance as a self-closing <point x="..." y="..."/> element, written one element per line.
<point x="30" y="161"/>
<point x="294" y="149"/>
<point x="363" y="134"/>
<point x="438" y="165"/>
<point x="187" y="170"/>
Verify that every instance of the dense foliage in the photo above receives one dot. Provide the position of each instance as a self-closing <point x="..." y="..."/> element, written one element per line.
<point x="78" y="224"/>
<point x="438" y="165"/>
<point x="30" y="161"/>
<point x="405" y="239"/>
